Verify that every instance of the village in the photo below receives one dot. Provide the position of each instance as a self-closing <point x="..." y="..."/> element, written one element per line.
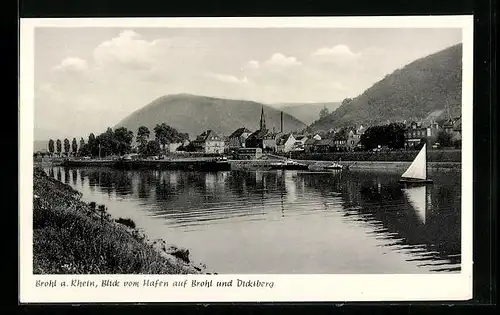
<point x="245" y="144"/>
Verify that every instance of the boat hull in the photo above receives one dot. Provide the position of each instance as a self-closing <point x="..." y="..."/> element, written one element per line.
<point x="333" y="168"/>
<point x="415" y="181"/>
<point x="290" y="167"/>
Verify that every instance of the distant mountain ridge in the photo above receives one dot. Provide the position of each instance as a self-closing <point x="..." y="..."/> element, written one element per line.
<point x="194" y="114"/>
<point x="429" y="86"/>
<point x="306" y="112"/>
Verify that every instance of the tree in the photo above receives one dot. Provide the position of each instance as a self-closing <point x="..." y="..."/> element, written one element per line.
<point x="74" y="146"/>
<point x="84" y="150"/>
<point x="142" y="138"/>
<point x="346" y="101"/>
<point x="444" y="138"/>
<point x="92" y="145"/>
<point x="152" y="148"/>
<point x="323" y="113"/>
<point x="122" y="140"/>
<point x="51" y="146"/>
<point x="58" y="146"/>
<point x="165" y="134"/>
<point x="391" y="135"/>
<point x="80" y="147"/>
<point x="67" y="146"/>
<point x="105" y="144"/>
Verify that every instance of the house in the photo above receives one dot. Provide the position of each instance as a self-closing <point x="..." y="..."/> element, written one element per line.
<point x="415" y="134"/>
<point x="457" y="133"/>
<point x="269" y="141"/>
<point x="299" y="143"/>
<point x="249" y="153"/>
<point x="256" y="139"/>
<point x="340" y="140"/>
<point x="310" y="144"/>
<point x="172" y="147"/>
<point x="237" y="139"/>
<point x="353" y="138"/>
<point x="418" y="132"/>
<point x="324" y="145"/>
<point x="209" y="142"/>
<point x="285" y="143"/>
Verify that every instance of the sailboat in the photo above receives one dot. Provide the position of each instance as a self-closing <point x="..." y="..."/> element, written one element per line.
<point x="417" y="198"/>
<point x="417" y="172"/>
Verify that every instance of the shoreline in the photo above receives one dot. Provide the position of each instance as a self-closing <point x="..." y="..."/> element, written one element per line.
<point x="74" y="237"/>
<point x="259" y="164"/>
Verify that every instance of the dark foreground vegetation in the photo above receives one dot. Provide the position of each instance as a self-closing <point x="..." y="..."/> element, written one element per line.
<point x="72" y="237"/>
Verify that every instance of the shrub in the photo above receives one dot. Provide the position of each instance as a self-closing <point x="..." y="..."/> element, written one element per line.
<point x="127" y="222"/>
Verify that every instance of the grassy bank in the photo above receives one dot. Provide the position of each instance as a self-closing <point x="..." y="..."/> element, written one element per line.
<point x="389" y="156"/>
<point x="72" y="237"/>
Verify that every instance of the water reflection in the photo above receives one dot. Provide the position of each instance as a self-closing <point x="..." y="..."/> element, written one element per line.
<point x="421" y="223"/>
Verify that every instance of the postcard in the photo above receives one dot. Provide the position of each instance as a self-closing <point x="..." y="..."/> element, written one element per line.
<point x="246" y="159"/>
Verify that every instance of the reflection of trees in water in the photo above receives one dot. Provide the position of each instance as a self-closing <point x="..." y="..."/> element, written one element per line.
<point x="59" y="175"/>
<point x="110" y="181"/>
<point x="74" y="176"/>
<point x="66" y="176"/>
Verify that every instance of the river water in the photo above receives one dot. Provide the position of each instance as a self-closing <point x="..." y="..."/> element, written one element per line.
<point x="288" y="221"/>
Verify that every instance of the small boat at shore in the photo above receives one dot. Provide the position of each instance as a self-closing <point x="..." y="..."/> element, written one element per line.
<point x="334" y="166"/>
<point x="289" y="165"/>
<point x="417" y="171"/>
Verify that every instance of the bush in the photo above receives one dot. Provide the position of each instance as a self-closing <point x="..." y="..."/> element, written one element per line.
<point x="68" y="241"/>
<point x="127" y="222"/>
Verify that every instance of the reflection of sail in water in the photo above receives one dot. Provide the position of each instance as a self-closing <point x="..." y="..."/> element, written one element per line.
<point x="290" y="187"/>
<point x="417" y="198"/>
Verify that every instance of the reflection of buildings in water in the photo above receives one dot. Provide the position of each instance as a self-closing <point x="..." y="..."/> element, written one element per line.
<point x="260" y="180"/>
<point x="173" y="179"/>
<point x="210" y="182"/>
<point x="290" y="186"/>
<point x="258" y="177"/>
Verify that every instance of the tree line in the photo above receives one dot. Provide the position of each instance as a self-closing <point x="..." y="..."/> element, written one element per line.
<point x="119" y="142"/>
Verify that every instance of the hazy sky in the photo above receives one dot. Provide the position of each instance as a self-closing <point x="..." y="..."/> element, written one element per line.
<point x="90" y="78"/>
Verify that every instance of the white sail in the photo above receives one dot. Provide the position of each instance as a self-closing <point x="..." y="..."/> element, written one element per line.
<point x="416" y="196"/>
<point x="418" y="168"/>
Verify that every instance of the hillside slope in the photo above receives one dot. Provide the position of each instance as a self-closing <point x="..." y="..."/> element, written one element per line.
<point x="420" y="89"/>
<point x="306" y="112"/>
<point x="194" y="114"/>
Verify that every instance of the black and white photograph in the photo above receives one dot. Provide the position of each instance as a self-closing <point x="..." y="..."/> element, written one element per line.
<point x="193" y="149"/>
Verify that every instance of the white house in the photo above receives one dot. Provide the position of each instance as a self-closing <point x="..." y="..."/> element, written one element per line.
<point x="285" y="143"/>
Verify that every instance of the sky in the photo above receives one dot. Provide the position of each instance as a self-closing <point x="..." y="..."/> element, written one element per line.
<point x="87" y="79"/>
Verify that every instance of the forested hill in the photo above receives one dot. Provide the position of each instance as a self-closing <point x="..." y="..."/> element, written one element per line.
<point x="306" y="112"/>
<point x="421" y="89"/>
<point x="194" y="114"/>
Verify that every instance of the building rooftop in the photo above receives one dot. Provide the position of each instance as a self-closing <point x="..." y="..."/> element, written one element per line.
<point x="239" y="132"/>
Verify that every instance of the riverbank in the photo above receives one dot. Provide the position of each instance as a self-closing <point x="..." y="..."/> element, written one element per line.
<point x="313" y="165"/>
<point x="73" y="237"/>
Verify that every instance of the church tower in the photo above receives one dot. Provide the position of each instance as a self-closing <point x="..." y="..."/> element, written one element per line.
<point x="262" y="120"/>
